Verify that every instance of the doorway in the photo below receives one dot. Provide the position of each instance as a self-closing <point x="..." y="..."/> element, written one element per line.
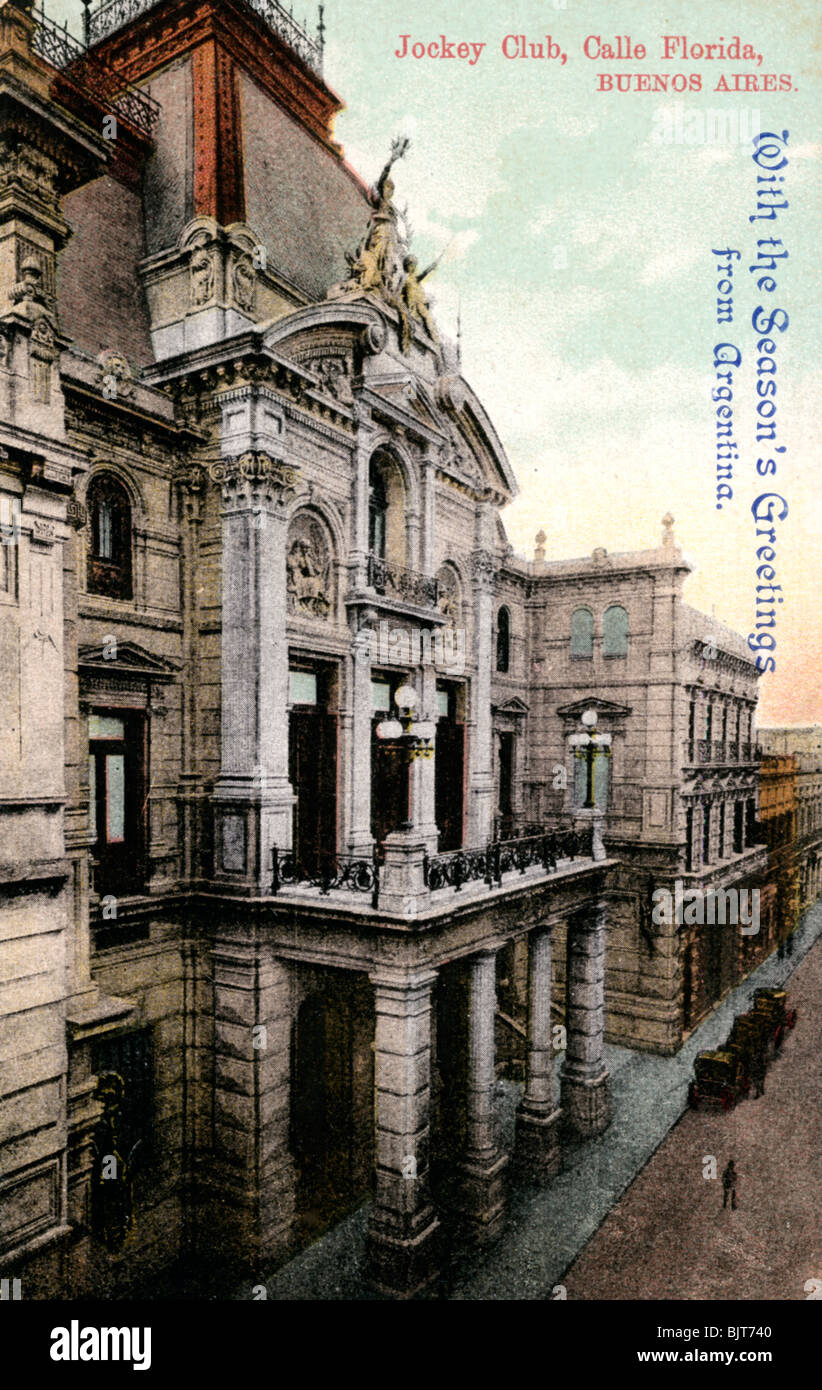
<point x="449" y="775"/>
<point x="312" y="767"/>
<point x="390" y="772"/>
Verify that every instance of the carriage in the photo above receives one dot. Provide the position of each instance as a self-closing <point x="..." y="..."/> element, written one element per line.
<point x="720" y="1078"/>
<point x="772" y="1006"/>
<point x="752" y="1037"/>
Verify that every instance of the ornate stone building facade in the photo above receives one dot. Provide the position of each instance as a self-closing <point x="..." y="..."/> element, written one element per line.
<point x="676" y="692"/>
<point x="794" y="760"/>
<point x="280" y="814"/>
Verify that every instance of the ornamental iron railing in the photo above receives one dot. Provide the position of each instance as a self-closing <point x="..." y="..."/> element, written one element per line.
<point x="352" y="872"/>
<point x="397" y="582"/>
<point x="59" y="48"/>
<point x="115" y="14"/>
<point x="488" y="865"/>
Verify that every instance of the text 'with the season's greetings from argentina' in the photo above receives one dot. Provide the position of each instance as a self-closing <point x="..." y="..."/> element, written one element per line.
<point x="767" y="257"/>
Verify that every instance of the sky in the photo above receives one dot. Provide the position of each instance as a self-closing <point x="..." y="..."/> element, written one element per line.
<point x="578" y="227"/>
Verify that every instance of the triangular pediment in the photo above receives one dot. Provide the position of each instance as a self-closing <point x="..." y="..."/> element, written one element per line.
<point x="515" y="706"/>
<point x="126" y="658"/>
<point x="607" y="708"/>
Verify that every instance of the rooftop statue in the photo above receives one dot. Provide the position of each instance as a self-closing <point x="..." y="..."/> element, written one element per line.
<point x="382" y="266"/>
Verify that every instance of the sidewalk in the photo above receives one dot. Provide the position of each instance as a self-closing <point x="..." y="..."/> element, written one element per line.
<point x="548" y="1226"/>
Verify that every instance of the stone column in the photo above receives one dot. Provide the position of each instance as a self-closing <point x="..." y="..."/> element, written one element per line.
<point x="427" y="476"/>
<point x="359" y="528"/>
<point x="403" y="1237"/>
<point x="537" y="1148"/>
<point x="253" y="798"/>
<point x="480" y="1187"/>
<point x="360" y="839"/>
<point x="585" y="1092"/>
<point x="251" y="1213"/>
<point x="481" y="782"/>
<point x="423" y="770"/>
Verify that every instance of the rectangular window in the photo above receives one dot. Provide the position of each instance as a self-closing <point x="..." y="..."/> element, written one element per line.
<point x="116" y="752"/>
<point x="706" y="834"/>
<point x="689" y="839"/>
<point x="721" y="830"/>
<point x="602" y="767"/>
<point x="92" y="795"/>
<point x="380" y="697"/>
<point x="302" y="687"/>
<point x="105" y="535"/>
<point x="105" y="726"/>
<point x="115" y="798"/>
<point x="739" y="812"/>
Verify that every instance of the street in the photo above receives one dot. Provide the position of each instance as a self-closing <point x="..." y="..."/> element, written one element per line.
<point x="669" y="1237"/>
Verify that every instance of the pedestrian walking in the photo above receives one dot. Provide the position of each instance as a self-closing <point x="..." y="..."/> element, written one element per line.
<point x="758" y="1069"/>
<point x="730" y="1182"/>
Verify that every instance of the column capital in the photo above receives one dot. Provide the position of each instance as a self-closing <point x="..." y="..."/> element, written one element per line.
<point x="590" y="918"/>
<point x="396" y="980"/>
<point x="255" y="477"/>
<point x="483" y="570"/>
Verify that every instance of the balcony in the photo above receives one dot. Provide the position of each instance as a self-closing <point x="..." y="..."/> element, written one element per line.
<point x="500" y="864"/>
<point x="394" y="581"/>
<point x="703" y="752"/>
<point x="115" y="14"/>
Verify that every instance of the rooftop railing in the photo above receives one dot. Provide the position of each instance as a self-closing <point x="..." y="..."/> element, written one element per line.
<point x="60" y="48"/>
<point x="115" y="14"/>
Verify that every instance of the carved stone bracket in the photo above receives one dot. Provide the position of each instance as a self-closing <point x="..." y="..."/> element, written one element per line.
<point x="256" y="474"/>
<point x="483" y="570"/>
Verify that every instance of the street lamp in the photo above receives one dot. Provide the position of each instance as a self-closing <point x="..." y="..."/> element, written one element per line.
<point x="410" y="739"/>
<point x="414" y="739"/>
<point x="590" y="746"/>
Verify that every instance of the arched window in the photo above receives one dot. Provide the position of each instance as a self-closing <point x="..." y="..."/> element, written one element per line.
<point x="109" y="553"/>
<point x="615" y="631"/>
<point x="503" y="639"/>
<point x="582" y="632"/>
<point x="377" y="510"/>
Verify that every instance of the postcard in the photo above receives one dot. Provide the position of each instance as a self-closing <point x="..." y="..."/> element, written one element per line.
<point x="411" y="775"/>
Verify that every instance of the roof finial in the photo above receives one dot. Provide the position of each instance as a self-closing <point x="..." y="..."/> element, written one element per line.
<point x="321" y="33"/>
<point x="668" y="531"/>
<point x="540" y="538"/>
<point x="459" y="332"/>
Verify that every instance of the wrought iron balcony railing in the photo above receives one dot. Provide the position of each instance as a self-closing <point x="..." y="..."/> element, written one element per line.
<point x="361" y="873"/>
<point x="488" y="865"/>
<point x="357" y="873"/>
<point x="398" y="582"/>
<point x="58" y="47"/>
<point x="115" y="14"/>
